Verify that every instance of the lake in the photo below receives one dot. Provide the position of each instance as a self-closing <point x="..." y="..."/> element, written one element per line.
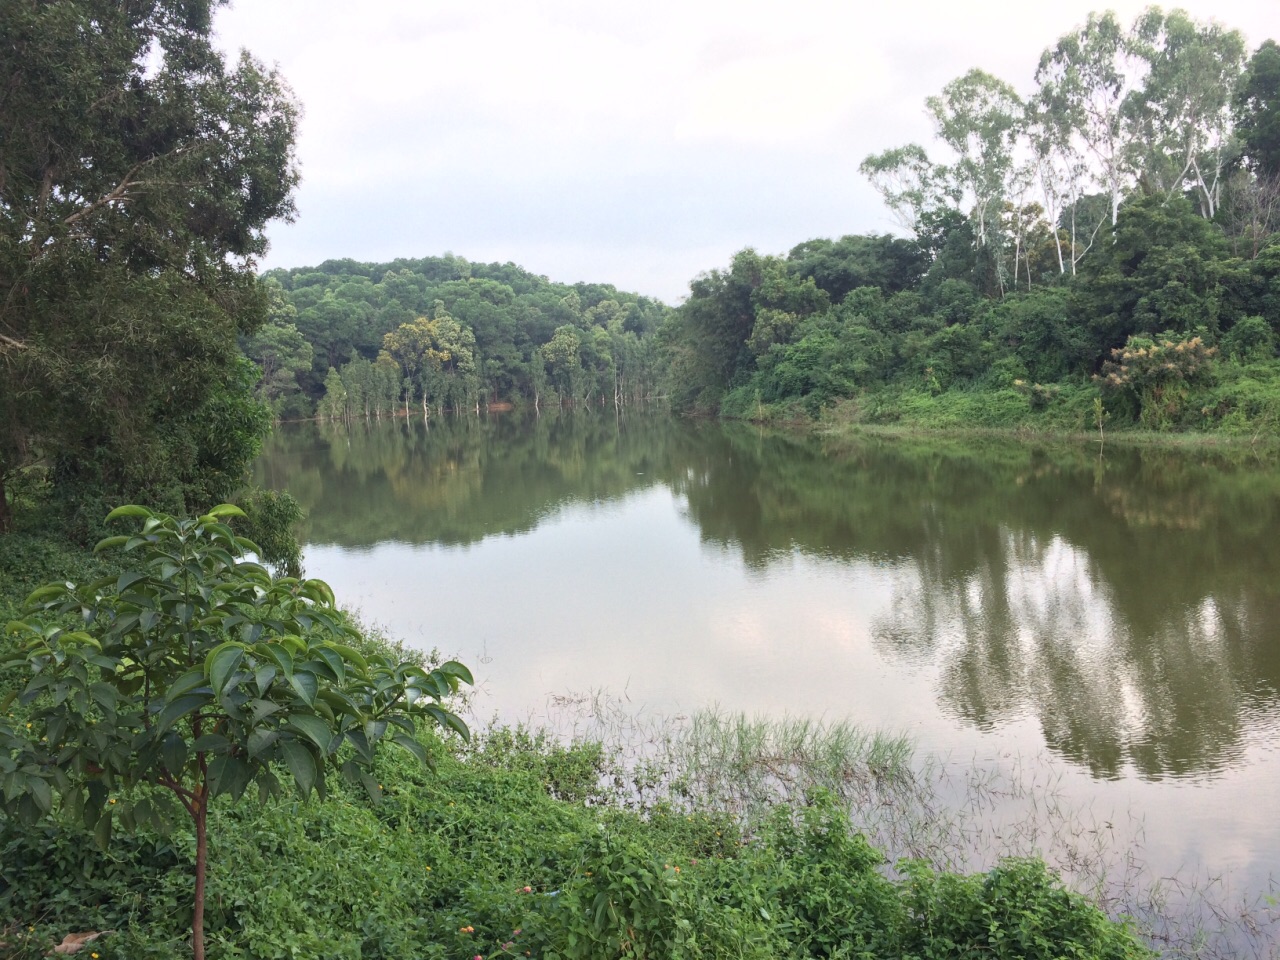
<point x="1110" y="617"/>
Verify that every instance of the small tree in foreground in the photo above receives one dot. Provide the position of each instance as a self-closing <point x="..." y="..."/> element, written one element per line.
<point x="199" y="673"/>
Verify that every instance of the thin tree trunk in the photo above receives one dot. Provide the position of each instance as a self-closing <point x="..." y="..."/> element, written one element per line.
<point x="6" y="516"/>
<point x="202" y="861"/>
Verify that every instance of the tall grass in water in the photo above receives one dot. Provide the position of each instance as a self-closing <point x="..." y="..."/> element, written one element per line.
<point x="957" y="816"/>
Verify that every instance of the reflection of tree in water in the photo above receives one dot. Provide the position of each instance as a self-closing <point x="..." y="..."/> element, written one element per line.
<point x="1044" y="638"/>
<point x="1130" y="604"/>
<point x="458" y="479"/>
<point x="1127" y="605"/>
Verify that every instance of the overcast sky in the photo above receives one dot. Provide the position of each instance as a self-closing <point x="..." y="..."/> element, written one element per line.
<point x="637" y="144"/>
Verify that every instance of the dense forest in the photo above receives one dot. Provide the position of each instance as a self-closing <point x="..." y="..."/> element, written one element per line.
<point x="353" y="339"/>
<point x="1102" y="248"/>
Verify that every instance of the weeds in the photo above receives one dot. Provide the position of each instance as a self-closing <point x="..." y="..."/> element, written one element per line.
<point x="954" y="817"/>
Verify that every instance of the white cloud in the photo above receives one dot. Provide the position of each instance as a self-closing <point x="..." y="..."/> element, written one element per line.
<point x="626" y="138"/>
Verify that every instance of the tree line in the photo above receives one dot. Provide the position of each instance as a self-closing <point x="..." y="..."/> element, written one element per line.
<point x="349" y="339"/>
<point x="1109" y="235"/>
<point x="1117" y="220"/>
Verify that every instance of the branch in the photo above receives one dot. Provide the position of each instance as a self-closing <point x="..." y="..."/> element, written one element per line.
<point x="116" y="194"/>
<point x="187" y="797"/>
<point x="8" y="343"/>
<point x="119" y="193"/>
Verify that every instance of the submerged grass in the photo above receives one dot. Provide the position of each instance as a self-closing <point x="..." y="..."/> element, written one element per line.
<point x="956" y="816"/>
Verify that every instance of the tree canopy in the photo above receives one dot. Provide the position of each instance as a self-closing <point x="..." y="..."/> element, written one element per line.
<point x="138" y="170"/>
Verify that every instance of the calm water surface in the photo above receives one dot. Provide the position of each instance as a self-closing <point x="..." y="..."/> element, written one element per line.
<point x="1115" y="616"/>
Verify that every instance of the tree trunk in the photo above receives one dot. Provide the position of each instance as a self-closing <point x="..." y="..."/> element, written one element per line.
<point x="201" y="815"/>
<point x="6" y="516"/>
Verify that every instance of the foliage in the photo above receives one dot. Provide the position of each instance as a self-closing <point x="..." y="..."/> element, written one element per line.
<point x="1048" y="227"/>
<point x="1257" y="107"/>
<point x="282" y="354"/>
<point x="1017" y="910"/>
<point x="1157" y="375"/>
<point x="270" y="517"/>
<point x="519" y="845"/>
<point x="198" y="673"/>
<point x="493" y="320"/>
<point x="137" y="174"/>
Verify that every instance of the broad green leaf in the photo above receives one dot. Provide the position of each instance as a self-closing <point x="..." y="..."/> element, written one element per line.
<point x="333" y="660"/>
<point x="128" y="578"/>
<point x="268" y="786"/>
<point x="283" y="659"/>
<point x="173" y="750"/>
<point x="225" y="510"/>
<point x="109" y="542"/>
<point x="313" y="728"/>
<point x="358" y="740"/>
<point x="41" y="793"/>
<point x="413" y="747"/>
<point x="453" y="668"/>
<point x="306" y="686"/>
<point x="221" y="663"/>
<point x="189" y="681"/>
<point x="320" y="590"/>
<point x="337" y="701"/>
<point x="301" y="764"/>
<point x="260" y="739"/>
<point x="179" y="708"/>
<point x="350" y="654"/>
<point x="447" y="719"/>
<point x="263" y="708"/>
<point x="229" y="774"/>
<point x="211" y="743"/>
<point x="143" y="813"/>
<point x="263" y="677"/>
<point x="106" y="696"/>
<point x="44" y="593"/>
<point x="371" y="786"/>
<point x="129" y="510"/>
<point x="102" y="830"/>
<point x="375" y="730"/>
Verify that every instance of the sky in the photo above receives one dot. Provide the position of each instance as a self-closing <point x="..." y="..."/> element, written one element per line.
<point x="637" y="144"/>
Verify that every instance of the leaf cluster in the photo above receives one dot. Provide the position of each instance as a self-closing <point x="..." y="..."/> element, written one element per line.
<point x="196" y="671"/>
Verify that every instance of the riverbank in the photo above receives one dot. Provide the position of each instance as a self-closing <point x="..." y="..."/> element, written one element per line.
<point x="525" y="844"/>
<point x="1004" y="414"/>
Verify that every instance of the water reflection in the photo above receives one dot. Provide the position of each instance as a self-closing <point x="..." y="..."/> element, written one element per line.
<point x="1128" y="603"/>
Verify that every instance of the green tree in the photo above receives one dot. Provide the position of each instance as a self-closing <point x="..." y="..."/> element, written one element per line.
<point x="978" y="116"/>
<point x="1168" y="270"/>
<point x="439" y="355"/>
<point x="1084" y="80"/>
<point x="563" y="361"/>
<point x="137" y="173"/>
<point x="919" y="192"/>
<point x="282" y="355"/>
<point x="1157" y="375"/>
<point x="333" y="405"/>
<point x="197" y="675"/>
<point x="1257" y="111"/>
<point x="1182" y="117"/>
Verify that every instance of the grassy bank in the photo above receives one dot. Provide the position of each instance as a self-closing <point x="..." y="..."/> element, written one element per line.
<point x="524" y="844"/>
<point x="1242" y="410"/>
<point x="720" y="837"/>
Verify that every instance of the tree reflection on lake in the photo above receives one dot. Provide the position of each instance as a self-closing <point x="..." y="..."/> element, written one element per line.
<point x="1127" y="601"/>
